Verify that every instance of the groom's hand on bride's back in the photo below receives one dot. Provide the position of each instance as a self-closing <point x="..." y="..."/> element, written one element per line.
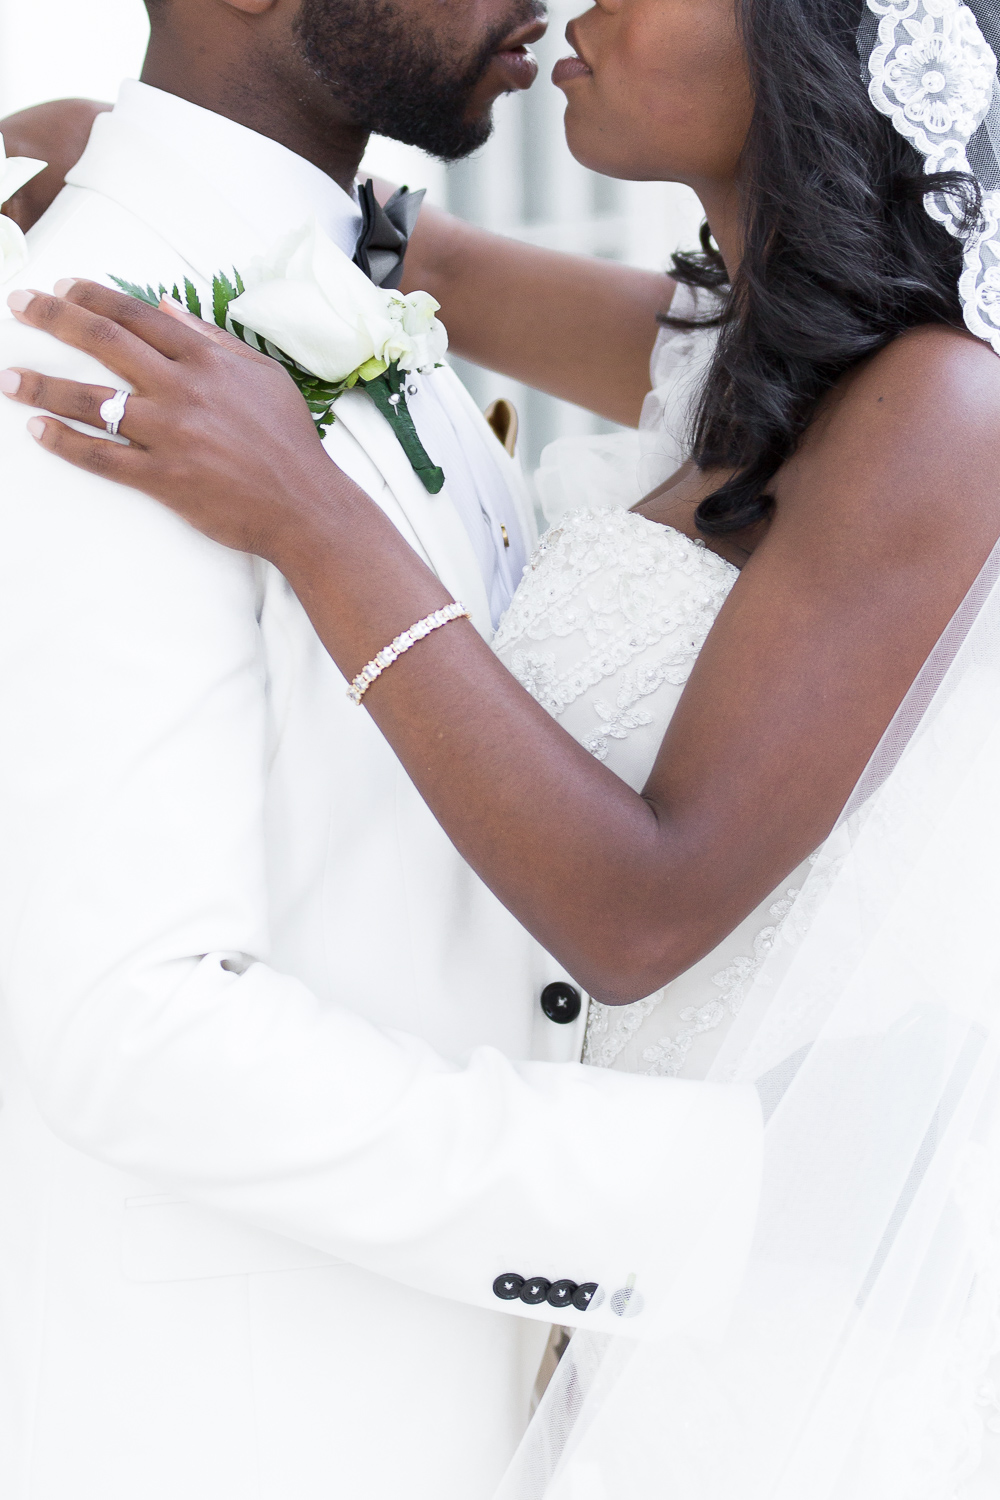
<point x="57" y="133"/>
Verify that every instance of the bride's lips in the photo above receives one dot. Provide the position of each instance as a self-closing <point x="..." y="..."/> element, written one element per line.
<point x="568" y="68"/>
<point x="514" y="58"/>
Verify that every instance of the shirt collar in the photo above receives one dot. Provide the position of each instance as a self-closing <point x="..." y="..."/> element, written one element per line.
<point x="266" y="184"/>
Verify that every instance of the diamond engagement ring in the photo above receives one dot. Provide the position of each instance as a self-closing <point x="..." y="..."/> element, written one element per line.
<point x="113" y="410"/>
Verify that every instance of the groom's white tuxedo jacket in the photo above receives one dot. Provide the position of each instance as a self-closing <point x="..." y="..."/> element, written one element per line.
<point x="250" y="1217"/>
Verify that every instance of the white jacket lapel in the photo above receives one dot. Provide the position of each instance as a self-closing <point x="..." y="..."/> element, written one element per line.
<point x="433" y="518"/>
<point x="170" y="193"/>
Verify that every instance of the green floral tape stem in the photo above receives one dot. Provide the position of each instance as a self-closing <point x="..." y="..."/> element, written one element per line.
<point x="389" y="394"/>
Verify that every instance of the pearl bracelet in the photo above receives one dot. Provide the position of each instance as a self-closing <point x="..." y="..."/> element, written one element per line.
<point x="389" y="654"/>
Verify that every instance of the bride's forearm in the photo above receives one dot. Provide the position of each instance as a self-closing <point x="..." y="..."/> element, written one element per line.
<point x="573" y="325"/>
<point x="522" y="801"/>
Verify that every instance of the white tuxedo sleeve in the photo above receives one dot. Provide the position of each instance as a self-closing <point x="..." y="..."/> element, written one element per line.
<point x="133" y="928"/>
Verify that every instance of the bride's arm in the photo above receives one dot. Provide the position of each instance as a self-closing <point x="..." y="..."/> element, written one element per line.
<point x="882" y="521"/>
<point x="576" y="326"/>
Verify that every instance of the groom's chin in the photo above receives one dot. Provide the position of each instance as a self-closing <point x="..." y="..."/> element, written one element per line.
<point x="450" y="142"/>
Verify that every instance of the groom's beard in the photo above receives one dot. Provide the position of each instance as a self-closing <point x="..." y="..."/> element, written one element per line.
<point x="398" y="84"/>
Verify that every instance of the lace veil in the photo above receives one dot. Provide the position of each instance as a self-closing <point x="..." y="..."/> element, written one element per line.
<point x="860" y="1359"/>
<point x="933" y="69"/>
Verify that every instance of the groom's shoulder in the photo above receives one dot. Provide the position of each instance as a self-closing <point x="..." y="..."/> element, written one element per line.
<point x="83" y="235"/>
<point x="47" y="506"/>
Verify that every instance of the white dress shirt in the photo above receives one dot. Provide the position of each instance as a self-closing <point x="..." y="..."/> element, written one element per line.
<point x="277" y="190"/>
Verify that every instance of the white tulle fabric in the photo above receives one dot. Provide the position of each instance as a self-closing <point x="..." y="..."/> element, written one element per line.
<point x="858" y="1362"/>
<point x="934" y="74"/>
<point x="618" y="469"/>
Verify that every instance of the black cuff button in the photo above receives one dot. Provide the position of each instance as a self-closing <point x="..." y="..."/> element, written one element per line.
<point x="585" y="1295"/>
<point x="561" y="1294"/>
<point x="561" y="1002"/>
<point x="535" y="1290"/>
<point x="508" y="1288"/>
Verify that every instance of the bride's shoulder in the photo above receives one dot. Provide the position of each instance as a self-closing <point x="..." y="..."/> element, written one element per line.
<point x="910" y="434"/>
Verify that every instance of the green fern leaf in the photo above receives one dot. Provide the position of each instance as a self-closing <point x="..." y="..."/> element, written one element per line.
<point x="191" y="298"/>
<point x="223" y="292"/>
<point x="141" y="294"/>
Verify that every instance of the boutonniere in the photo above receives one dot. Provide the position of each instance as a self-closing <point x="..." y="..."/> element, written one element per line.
<point x="309" y="307"/>
<point x="15" y="172"/>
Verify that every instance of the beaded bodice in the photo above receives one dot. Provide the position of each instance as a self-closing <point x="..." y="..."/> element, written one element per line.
<point x="604" y="631"/>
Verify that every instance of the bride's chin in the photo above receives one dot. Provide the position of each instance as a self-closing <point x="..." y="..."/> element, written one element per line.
<point x="589" y="146"/>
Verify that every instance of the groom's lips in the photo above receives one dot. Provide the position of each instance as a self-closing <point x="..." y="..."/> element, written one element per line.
<point x="513" y="60"/>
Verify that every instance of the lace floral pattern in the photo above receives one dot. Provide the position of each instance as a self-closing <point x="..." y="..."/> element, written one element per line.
<point x="611" y="601"/>
<point x="934" y="75"/>
<point x="610" y="1028"/>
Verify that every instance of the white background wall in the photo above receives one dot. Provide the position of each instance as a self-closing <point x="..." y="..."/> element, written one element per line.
<point x="523" y="183"/>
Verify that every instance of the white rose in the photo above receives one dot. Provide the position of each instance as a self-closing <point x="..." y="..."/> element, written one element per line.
<point x="13" y="249"/>
<point x="311" y="301"/>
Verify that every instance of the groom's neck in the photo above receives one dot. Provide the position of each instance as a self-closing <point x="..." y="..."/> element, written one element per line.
<point x="270" y="95"/>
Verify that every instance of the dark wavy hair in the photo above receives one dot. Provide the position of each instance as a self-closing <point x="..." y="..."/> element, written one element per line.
<point x="839" y="258"/>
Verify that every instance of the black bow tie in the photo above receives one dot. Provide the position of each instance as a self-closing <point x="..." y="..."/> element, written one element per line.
<point x="385" y="233"/>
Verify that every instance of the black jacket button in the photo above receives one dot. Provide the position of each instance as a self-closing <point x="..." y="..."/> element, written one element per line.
<point x="561" y="1293"/>
<point x="584" y="1295"/>
<point x="561" y="1002"/>
<point x="535" y="1290"/>
<point x="508" y="1288"/>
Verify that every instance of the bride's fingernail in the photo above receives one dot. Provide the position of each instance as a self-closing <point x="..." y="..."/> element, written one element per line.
<point x="10" y="382"/>
<point x="64" y="287"/>
<point x="177" y="310"/>
<point x="18" y="301"/>
<point x="37" y="427"/>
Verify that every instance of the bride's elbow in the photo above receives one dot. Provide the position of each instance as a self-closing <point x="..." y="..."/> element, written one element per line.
<point x="627" y="971"/>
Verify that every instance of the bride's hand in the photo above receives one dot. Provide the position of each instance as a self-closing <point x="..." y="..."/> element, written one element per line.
<point x="215" y="431"/>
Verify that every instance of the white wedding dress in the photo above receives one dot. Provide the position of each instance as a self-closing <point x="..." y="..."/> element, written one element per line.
<point x="845" y="1372"/>
<point x="603" y="632"/>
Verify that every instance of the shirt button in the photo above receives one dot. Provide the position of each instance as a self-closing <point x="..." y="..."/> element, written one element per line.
<point x="508" y="1288"/>
<point x="627" y="1302"/>
<point x="561" y="1293"/>
<point x="561" y="1002"/>
<point x="535" y="1290"/>
<point x="584" y="1295"/>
